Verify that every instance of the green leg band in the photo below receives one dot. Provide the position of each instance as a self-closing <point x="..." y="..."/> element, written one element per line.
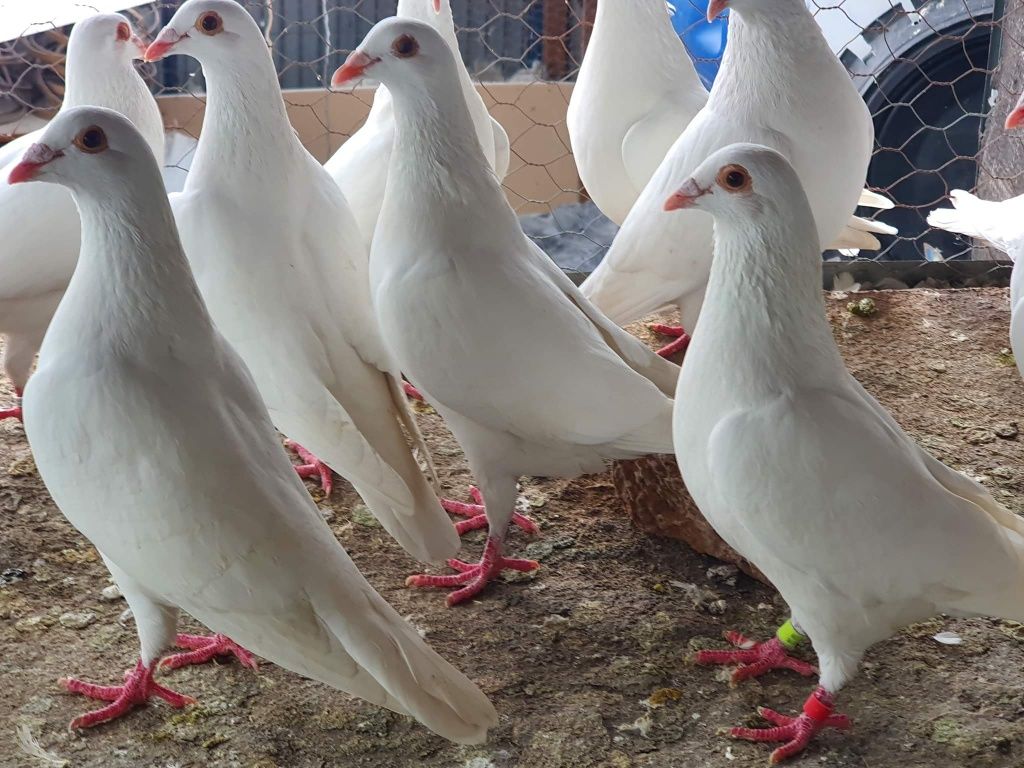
<point x="789" y="636"/>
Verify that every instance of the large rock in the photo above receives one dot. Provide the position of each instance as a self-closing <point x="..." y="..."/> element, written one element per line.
<point x="653" y="492"/>
<point x="656" y="499"/>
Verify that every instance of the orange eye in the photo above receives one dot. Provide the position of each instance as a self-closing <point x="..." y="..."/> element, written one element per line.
<point x="210" y="23"/>
<point x="405" y="46"/>
<point x="91" y="140"/>
<point x="734" y="178"/>
<point x="123" y="31"/>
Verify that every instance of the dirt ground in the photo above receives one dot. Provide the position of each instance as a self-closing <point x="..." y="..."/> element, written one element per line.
<point x="587" y="660"/>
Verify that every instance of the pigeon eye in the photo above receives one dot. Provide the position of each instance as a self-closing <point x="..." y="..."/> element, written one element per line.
<point x="91" y="140"/>
<point x="405" y="46"/>
<point x="210" y="23"/>
<point x="123" y="31"/>
<point x="734" y="178"/>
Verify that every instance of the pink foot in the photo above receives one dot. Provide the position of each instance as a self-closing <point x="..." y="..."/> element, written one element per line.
<point x="475" y="577"/>
<point x="477" y="514"/>
<point x="755" y="658"/>
<point x="203" y="649"/>
<point x="312" y="467"/>
<point x="411" y="391"/>
<point x="15" y="412"/>
<point x="137" y="689"/>
<point x="682" y="338"/>
<point x="797" y="731"/>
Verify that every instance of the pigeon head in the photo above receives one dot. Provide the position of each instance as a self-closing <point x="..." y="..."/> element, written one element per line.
<point x="107" y="37"/>
<point x="400" y="53"/>
<point x="207" y="30"/>
<point x="83" y="147"/>
<point x="748" y="7"/>
<point x="741" y="181"/>
<point x="423" y="9"/>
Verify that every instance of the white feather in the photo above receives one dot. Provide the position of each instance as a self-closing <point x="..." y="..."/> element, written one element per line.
<point x="799" y="468"/>
<point x="281" y="264"/>
<point x="152" y="438"/>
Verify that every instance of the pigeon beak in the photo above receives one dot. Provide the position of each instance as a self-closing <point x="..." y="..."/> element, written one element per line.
<point x="437" y="6"/>
<point x="686" y="197"/>
<point x="1015" y="118"/>
<point x="160" y="47"/>
<point x="355" y="67"/>
<point x="716" y="8"/>
<point x="35" y="157"/>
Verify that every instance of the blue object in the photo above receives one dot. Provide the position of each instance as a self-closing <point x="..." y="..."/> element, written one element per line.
<point x="705" y="42"/>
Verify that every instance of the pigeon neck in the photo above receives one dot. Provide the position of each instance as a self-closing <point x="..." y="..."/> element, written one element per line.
<point x="246" y="128"/>
<point x="633" y="35"/>
<point x="132" y="276"/>
<point x="764" y="299"/>
<point x="764" y="45"/>
<point x="436" y="144"/>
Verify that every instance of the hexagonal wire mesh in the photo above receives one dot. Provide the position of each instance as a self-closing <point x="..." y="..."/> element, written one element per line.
<point x="924" y="67"/>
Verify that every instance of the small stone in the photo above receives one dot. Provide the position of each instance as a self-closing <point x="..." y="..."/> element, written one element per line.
<point x="29" y="624"/>
<point x="22" y="467"/>
<point x="361" y="515"/>
<point x="981" y="437"/>
<point x="726" y="574"/>
<point x="13" y="575"/>
<point x="938" y="367"/>
<point x="1008" y="431"/>
<point x="77" y="619"/>
<point x="865" y="307"/>
<point x="9" y="500"/>
<point x="111" y="593"/>
<point x="717" y="607"/>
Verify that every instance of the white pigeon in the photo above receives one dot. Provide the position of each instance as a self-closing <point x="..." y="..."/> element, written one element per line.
<point x="636" y="92"/>
<point x="282" y="267"/>
<point x="193" y="502"/>
<point x="799" y="468"/>
<point x="779" y="85"/>
<point x="39" y="224"/>
<point x="360" y="164"/>
<point x="531" y="378"/>
<point x="1002" y="225"/>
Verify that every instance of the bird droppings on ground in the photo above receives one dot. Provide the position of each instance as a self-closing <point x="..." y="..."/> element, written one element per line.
<point x="588" y="662"/>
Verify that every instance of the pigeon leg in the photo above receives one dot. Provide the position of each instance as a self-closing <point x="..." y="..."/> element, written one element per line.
<point x="757" y="658"/>
<point x="312" y="467"/>
<point x="682" y="338"/>
<point x="138" y="688"/>
<point x="798" y="731"/>
<point x="473" y="578"/>
<point x="203" y="649"/>
<point x="15" y="411"/>
<point x="477" y="514"/>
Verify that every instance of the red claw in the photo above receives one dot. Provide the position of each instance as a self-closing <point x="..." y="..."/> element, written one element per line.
<point x="138" y="688"/>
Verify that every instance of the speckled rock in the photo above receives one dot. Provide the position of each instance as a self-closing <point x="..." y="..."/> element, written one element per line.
<point x="652" y="492"/>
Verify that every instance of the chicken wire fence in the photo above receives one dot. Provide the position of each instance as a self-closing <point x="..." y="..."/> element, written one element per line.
<point x="928" y="70"/>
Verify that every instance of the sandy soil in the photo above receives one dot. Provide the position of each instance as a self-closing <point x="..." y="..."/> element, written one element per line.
<point x="587" y="661"/>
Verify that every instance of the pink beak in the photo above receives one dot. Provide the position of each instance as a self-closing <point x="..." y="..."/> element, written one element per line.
<point x="166" y="40"/>
<point x="437" y="6"/>
<point x="355" y="67"/>
<point x="685" y="197"/>
<point x="35" y="157"/>
<point x="715" y="9"/>
<point x="1015" y="118"/>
